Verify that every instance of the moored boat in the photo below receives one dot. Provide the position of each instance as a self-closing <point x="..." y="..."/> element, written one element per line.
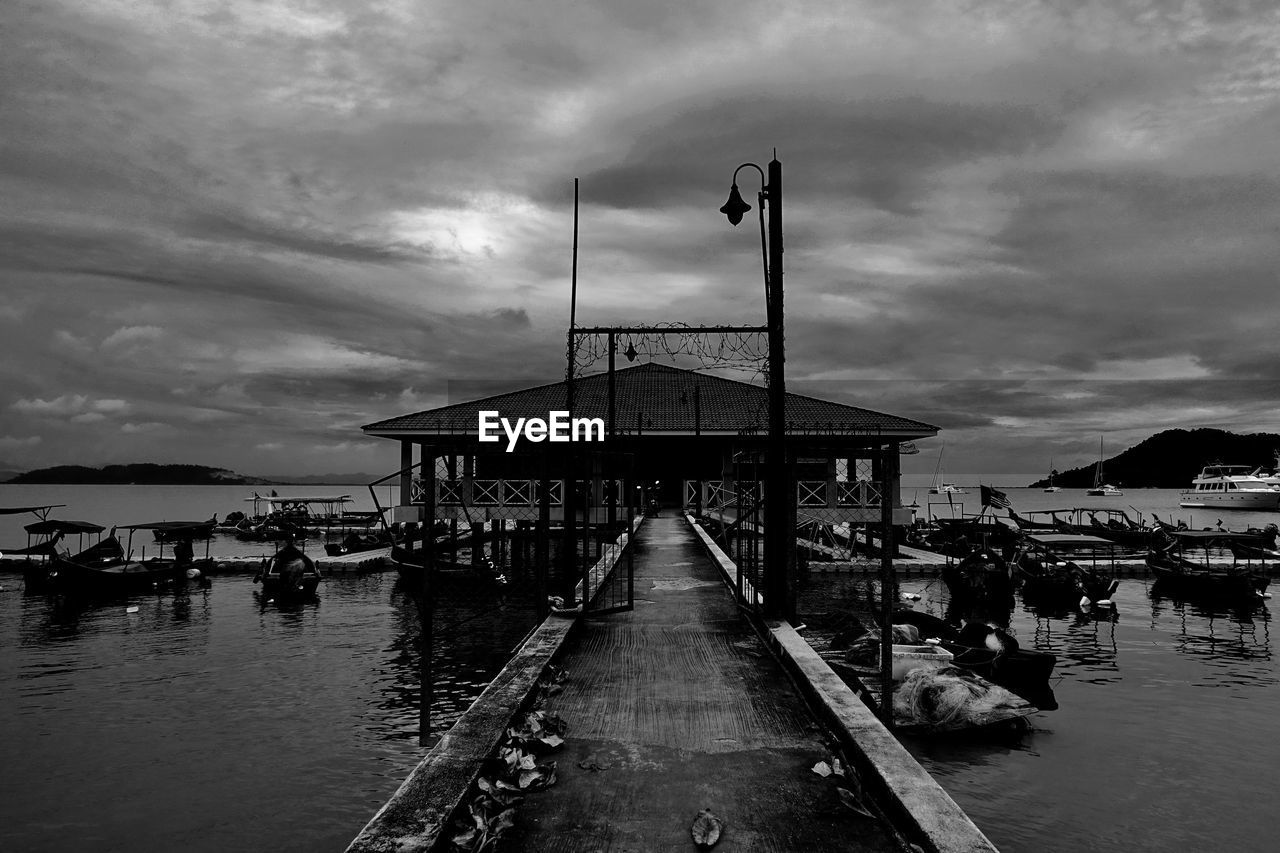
<point x="991" y="653"/>
<point x="1044" y="566"/>
<point x="942" y="488"/>
<point x="1216" y="564"/>
<point x="289" y="575"/>
<point x="1051" y="486"/>
<point x="980" y="575"/>
<point x="1231" y="487"/>
<point x="108" y="568"/>
<point x="50" y="532"/>
<point x="1101" y="488"/>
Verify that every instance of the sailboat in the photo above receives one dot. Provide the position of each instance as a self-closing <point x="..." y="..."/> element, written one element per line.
<point x="941" y="488"/>
<point x="1051" y="487"/>
<point x="1100" y="488"/>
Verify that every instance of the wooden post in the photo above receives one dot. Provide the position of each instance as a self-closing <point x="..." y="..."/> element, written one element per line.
<point x="887" y="593"/>
<point x="426" y="605"/>
<point x="451" y="463"/>
<point x="542" y="540"/>
<point x="477" y="542"/>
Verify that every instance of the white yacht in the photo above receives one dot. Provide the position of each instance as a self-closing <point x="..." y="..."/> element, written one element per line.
<point x="1101" y="489"/>
<point x="1231" y="487"/>
<point x="1052" y="487"/>
<point x="941" y="488"/>
<point x="1272" y="477"/>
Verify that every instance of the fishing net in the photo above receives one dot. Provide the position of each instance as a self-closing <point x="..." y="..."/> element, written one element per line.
<point x="950" y="697"/>
<point x="865" y="650"/>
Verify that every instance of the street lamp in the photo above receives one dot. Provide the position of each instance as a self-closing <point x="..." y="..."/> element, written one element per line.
<point x="778" y="512"/>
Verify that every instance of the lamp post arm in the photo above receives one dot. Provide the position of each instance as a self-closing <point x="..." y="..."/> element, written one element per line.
<point x="764" y="248"/>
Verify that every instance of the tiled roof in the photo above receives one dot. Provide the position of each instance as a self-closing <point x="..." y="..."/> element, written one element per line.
<point x="655" y="398"/>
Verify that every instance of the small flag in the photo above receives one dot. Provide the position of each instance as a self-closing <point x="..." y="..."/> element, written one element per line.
<point x="994" y="497"/>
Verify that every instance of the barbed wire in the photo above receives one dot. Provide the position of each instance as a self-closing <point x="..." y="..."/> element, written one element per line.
<point x="746" y="351"/>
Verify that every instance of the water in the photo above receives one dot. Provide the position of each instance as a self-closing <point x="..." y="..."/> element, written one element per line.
<point x="208" y="721"/>
<point x="1166" y="736"/>
<point x="205" y="721"/>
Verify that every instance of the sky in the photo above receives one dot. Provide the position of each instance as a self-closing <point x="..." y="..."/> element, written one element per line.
<point x="233" y="232"/>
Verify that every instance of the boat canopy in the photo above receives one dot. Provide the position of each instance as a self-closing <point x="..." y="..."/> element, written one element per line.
<point x="53" y="525"/>
<point x="1060" y="540"/>
<point x="176" y="529"/>
<point x="19" y="510"/>
<point x="308" y="500"/>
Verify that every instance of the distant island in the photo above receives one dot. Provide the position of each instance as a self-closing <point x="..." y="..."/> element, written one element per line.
<point x="150" y="474"/>
<point x="1171" y="459"/>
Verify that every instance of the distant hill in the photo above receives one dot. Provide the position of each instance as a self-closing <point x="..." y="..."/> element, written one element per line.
<point x="148" y="474"/>
<point x="320" y="479"/>
<point x="1171" y="459"/>
<point x="7" y="476"/>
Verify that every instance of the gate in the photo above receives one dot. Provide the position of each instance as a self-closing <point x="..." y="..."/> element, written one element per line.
<point x="602" y="517"/>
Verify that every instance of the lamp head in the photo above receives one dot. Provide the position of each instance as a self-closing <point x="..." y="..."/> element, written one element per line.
<point x="735" y="207"/>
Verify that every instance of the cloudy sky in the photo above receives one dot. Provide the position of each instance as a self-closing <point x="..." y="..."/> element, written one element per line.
<point x="231" y="232"/>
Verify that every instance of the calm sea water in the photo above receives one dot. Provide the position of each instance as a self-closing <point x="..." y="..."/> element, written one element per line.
<point x="208" y="721"/>
<point x="1166" y="736"/>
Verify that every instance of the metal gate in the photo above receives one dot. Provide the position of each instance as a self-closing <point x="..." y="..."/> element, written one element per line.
<point x="602" y="516"/>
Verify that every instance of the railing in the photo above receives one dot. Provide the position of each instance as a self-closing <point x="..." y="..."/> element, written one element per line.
<point x="810" y="494"/>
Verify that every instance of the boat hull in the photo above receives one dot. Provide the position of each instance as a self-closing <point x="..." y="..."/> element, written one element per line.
<point x="1240" y="585"/>
<point x="275" y="587"/>
<point x="71" y="577"/>
<point x="289" y="575"/>
<point x="1245" y="500"/>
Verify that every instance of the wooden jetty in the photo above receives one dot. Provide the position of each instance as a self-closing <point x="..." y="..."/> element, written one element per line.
<point x="680" y="704"/>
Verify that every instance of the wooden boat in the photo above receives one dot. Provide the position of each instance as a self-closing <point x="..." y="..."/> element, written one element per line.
<point x="1043" y="520"/>
<point x="409" y="565"/>
<point x="1183" y="562"/>
<point x="49" y="533"/>
<point x="980" y="575"/>
<point x="289" y="575"/>
<point x="1117" y="527"/>
<point x="957" y="537"/>
<point x="357" y="541"/>
<point x="992" y="654"/>
<point x="1043" y="565"/>
<point x="108" y="568"/>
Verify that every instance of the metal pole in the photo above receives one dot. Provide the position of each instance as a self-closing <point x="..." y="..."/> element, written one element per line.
<point x="612" y="499"/>
<point x="779" y="500"/>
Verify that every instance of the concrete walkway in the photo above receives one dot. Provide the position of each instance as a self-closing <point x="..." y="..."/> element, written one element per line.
<point x="678" y="706"/>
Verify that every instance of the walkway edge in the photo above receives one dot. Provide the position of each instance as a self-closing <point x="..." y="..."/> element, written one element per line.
<point x="413" y="820"/>
<point x="921" y="806"/>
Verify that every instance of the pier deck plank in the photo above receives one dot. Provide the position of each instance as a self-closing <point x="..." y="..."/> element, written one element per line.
<point x="678" y="706"/>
